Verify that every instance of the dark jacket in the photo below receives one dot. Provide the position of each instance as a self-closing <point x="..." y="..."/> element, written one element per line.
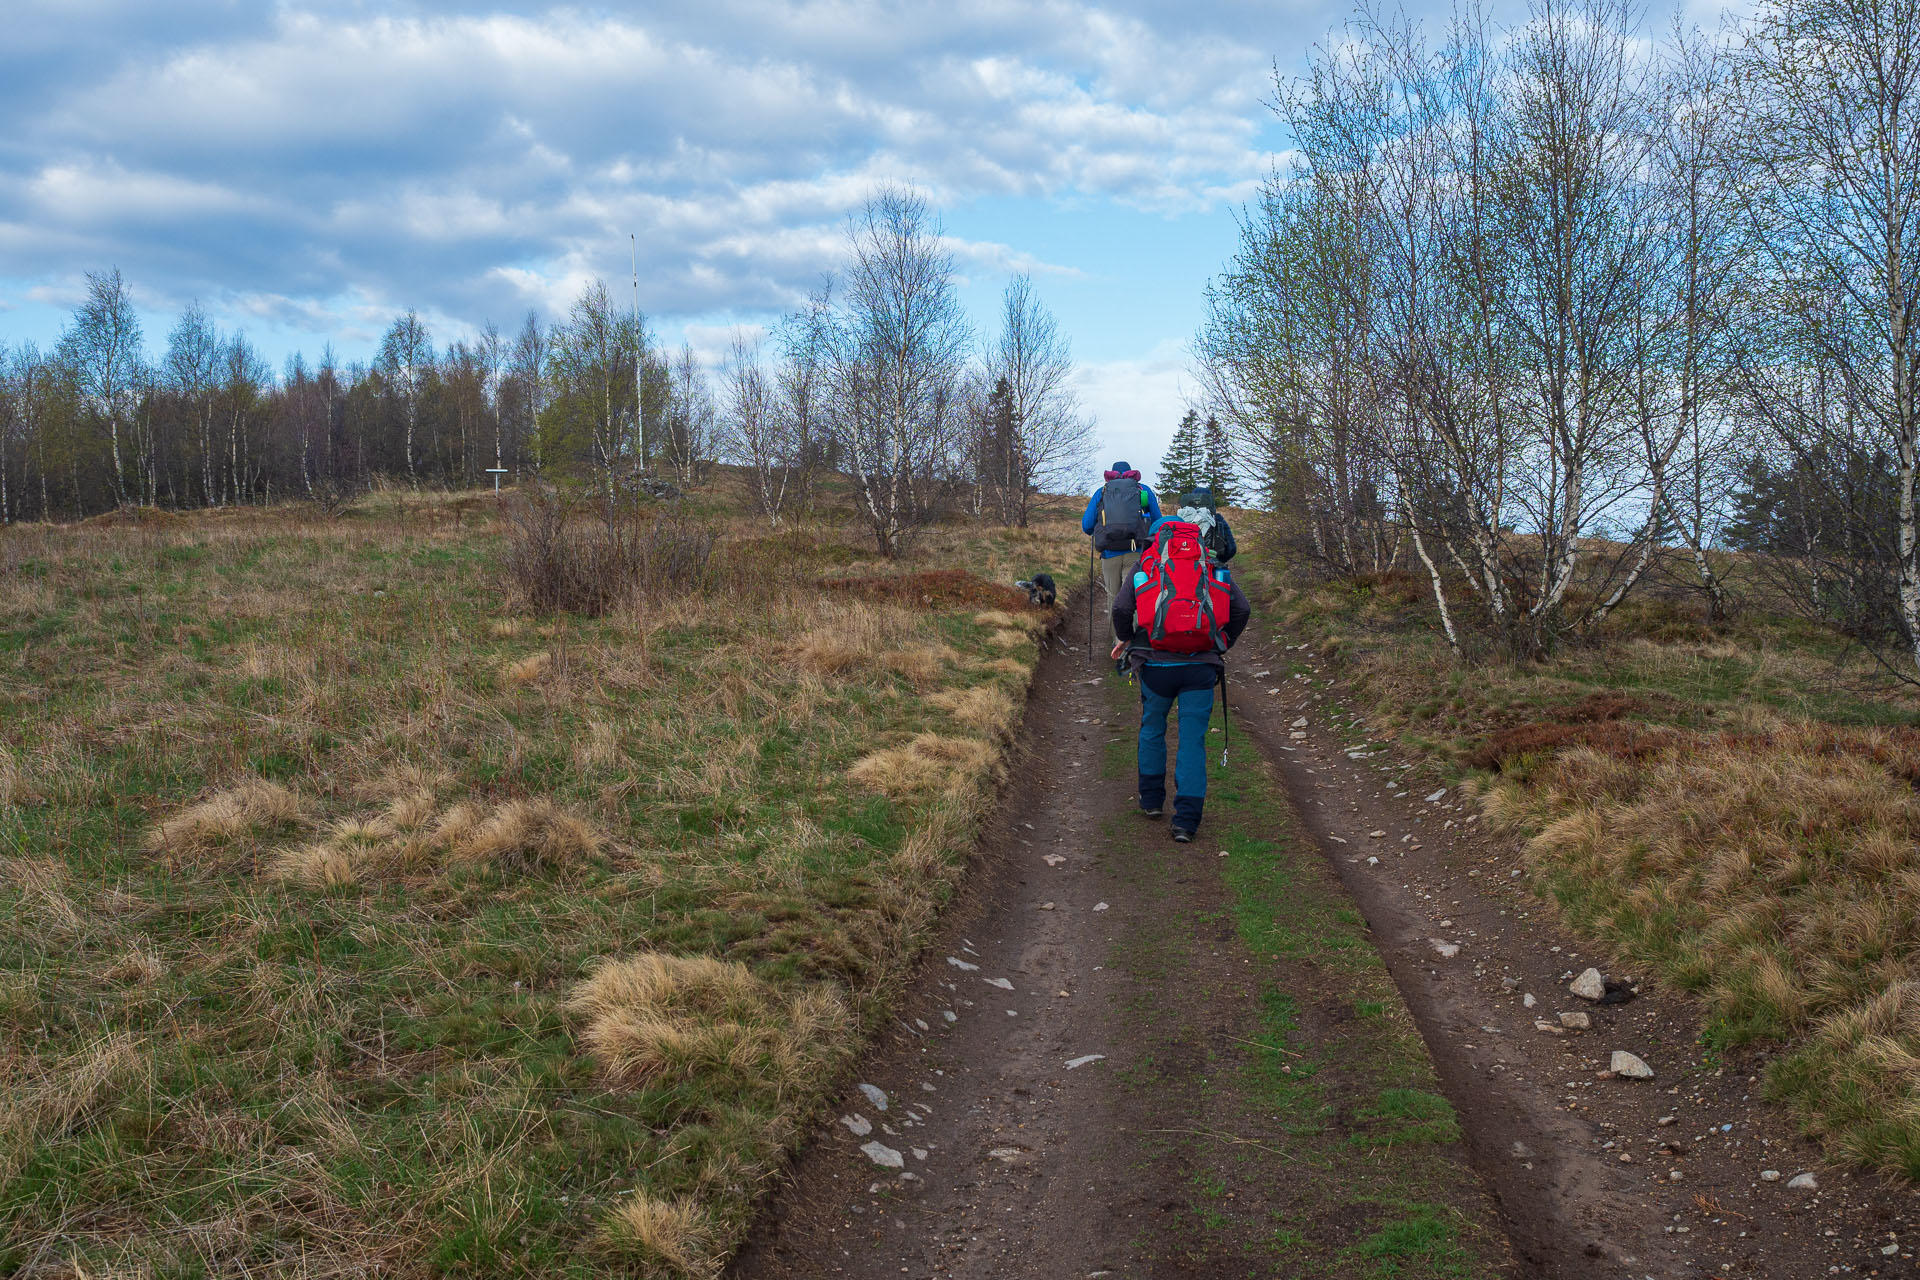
<point x="1140" y="653"/>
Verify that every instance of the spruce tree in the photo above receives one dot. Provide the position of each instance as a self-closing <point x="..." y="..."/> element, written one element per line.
<point x="1216" y="468"/>
<point x="1183" y="465"/>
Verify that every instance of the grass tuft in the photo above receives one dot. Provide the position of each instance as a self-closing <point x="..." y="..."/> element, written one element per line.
<point x="655" y="1016"/>
<point x="930" y="763"/>
<point x="676" y="1233"/>
<point x="223" y="818"/>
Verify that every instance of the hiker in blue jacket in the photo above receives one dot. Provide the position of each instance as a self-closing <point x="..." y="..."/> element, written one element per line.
<point x="1119" y="515"/>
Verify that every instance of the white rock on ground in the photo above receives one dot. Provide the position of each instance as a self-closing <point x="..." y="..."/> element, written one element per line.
<point x="1527" y="1001"/>
<point x="1589" y="985"/>
<point x="1769" y="1175"/>
<point x="1001" y="983"/>
<point x="1805" y="1182"/>
<point x="1550" y="1028"/>
<point x="1576" y="1021"/>
<point x="1076" y="1063"/>
<point x="859" y="1124"/>
<point x="962" y="965"/>
<point x="1437" y="796"/>
<point x="884" y="1156"/>
<point x="1629" y="1066"/>
<point x="1301" y="723"/>
<point x="876" y="1095"/>
<point x="1447" y="950"/>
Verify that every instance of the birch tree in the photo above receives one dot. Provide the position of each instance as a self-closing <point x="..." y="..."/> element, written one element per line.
<point x="103" y="345"/>
<point x="405" y="353"/>
<point x="899" y="351"/>
<point x="1830" y="128"/>
<point x="1049" y="438"/>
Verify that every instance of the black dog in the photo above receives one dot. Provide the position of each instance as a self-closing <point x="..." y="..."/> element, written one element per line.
<point x="1039" y="589"/>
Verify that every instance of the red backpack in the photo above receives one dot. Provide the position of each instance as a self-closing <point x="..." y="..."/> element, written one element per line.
<point x="1181" y="606"/>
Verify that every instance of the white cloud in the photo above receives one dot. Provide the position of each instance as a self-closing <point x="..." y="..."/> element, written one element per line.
<point x="1136" y="403"/>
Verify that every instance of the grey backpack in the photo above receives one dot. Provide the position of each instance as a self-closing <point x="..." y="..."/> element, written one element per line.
<point x="1123" y="518"/>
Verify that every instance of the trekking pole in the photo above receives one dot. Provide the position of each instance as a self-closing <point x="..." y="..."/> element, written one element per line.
<point x="1092" y="560"/>
<point x="1226" y="721"/>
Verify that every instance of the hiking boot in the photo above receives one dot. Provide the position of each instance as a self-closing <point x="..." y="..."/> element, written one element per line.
<point x="1182" y="836"/>
<point x="1154" y="812"/>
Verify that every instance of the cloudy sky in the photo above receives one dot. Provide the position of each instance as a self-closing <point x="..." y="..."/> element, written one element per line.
<point x="308" y="169"/>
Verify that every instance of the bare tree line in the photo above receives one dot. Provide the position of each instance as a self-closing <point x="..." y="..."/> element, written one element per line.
<point x="1543" y="310"/>
<point x="876" y="377"/>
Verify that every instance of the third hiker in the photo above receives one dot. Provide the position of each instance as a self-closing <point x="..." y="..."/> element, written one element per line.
<point x="1174" y="620"/>
<point x="1196" y="507"/>
<point x="1119" y="515"/>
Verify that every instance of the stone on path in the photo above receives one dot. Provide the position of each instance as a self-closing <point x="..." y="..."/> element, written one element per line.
<point x="962" y="965"/>
<point x="1447" y="950"/>
<point x="1527" y="1000"/>
<point x="1629" y="1066"/>
<point x="859" y="1124"/>
<point x="884" y="1156"/>
<point x="1769" y="1175"/>
<point x="1001" y="983"/>
<point x="1099" y="906"/>
<point x="1805" y="1182"/>
<point x="1576" y="1021"/>
<point x="1437" y="796"/>
<point x="1301" y="723"/>
<point x="1589" y="985"/>
<point x="876" y="1095"/>
<point x="1076" y="1063"/>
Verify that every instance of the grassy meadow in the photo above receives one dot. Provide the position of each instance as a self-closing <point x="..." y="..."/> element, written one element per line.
<point x="356" y="920"/>
<point x="1732" y="805"/>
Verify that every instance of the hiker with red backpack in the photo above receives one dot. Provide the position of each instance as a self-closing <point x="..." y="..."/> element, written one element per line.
<point x="1118" y="517"/>
<point x="1174" y="620"/>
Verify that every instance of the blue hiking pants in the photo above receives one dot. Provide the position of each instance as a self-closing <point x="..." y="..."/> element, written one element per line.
<point x="1190" y="684"/>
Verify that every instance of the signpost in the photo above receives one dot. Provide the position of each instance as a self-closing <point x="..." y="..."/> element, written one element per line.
<point x="496" y="473"/>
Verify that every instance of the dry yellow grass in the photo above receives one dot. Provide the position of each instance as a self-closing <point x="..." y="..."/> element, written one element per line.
<point x="526" y="670"/>
<point x="653" y="1016"/>
<point x="1008" y="639"/>
<point x="1000" y="619"/>
<point x="45" y="1102"/>
<point x="1783" y="877"/>
<point x="675" y="1233"/>
<point x="224" y="817"/>
<point x="924" y="666"/>
<point x="983" y="707"/>
<point x="44" y="897"/>
<point x="139" y="965"/>
<point x="15" y="786"/>
<point x="414" y="835"/>
<point x="520" y="833"/>
<point x="931" y="762"/>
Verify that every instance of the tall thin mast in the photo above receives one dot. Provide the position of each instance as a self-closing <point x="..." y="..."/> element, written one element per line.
<point x="639" y="354"/>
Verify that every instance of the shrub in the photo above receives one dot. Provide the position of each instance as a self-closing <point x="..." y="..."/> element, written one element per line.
<point x="560" y="560"/>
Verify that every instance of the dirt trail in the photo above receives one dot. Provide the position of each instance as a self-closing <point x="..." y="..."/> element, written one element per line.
<point x="1082" y="932"/>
